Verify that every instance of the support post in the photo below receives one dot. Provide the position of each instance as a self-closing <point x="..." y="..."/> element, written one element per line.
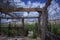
<point x="44" y="24"/>
<point x="39" y="19"/>
<point x="23" y="22"/>
<point x="0" y="26"/>
<point x="39" y="23"/>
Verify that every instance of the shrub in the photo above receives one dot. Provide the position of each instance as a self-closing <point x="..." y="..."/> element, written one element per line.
<point x="30" y="27"/>
<point x="12" y="32"/>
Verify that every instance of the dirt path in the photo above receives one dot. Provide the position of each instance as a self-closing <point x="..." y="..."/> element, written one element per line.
<point x="23" y="38"/>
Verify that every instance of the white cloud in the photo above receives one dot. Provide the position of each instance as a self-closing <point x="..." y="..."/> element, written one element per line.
<point x="42" y="5"/>
<point x="53" y="10"/>
<point x="35" y="5"/>
<point x="25" y="14"/>
<point x="17" y="0"/>
<point x="5" y="20"/>
<point x="29" y="4"/>
<point x="33" y="14"/>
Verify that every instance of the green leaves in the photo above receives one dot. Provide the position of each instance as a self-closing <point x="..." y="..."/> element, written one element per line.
<point x="30" y="27"/>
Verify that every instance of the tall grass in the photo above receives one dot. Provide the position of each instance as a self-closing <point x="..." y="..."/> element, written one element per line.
<point x="54" y="28"/>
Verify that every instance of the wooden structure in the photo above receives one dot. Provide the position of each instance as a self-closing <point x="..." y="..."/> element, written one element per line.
<point x="42" y="13"/>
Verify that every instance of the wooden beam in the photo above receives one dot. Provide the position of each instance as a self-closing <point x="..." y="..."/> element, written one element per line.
<point x="16" y="17"/>
<point x="48" y="3"/>
<point x="20" y="9"/>
<point x="8" y="14"/>
<point x="25" y="9"/>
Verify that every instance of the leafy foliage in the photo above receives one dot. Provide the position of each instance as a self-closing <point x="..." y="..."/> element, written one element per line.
<point x="30" y="27"/>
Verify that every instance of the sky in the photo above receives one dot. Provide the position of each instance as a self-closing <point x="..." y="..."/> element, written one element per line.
<point x="42" y="1"/>
<point x="53" y="9"/>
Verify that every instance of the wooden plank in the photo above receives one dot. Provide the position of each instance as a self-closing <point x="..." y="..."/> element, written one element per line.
<point x="25" y="9"/>
<point x="8" y="14"/>
<point x="47" y="3"/>
<point x="16" y="17"/>
<point x="52" y="36"/>
<point x="20" y="10"/>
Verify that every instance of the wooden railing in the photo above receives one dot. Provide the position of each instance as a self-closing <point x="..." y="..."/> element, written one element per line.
<point x="52" y="36"/>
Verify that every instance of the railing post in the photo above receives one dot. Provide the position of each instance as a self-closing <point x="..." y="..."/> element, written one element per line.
<point x="0" y="26"/>
<point x="23" y="22"/>
<point x="39" y="21"/>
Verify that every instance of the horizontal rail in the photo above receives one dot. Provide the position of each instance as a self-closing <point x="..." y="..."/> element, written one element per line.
<point x="52" y="36"/>
<point x="20" y="9"/>
<point x="17" y="17"/>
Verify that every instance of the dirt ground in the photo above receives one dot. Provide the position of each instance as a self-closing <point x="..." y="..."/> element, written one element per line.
<point x="18" y="38"/>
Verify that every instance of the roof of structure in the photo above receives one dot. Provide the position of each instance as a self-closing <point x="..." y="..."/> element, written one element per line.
<point x="7" y="9"/>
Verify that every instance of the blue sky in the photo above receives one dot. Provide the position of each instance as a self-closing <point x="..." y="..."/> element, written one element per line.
<point x="42" y="1"/>
<point x="58" y="1"/>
